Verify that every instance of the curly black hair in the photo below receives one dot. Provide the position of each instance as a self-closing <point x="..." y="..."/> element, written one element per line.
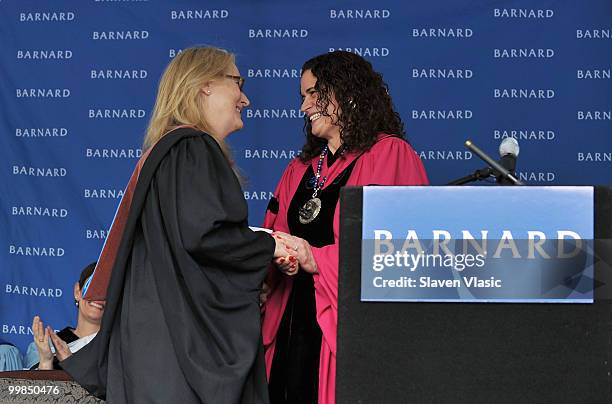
<point x="363" y="100"/>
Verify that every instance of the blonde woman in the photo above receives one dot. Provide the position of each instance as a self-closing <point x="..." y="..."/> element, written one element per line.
<point x="181" y="271"/>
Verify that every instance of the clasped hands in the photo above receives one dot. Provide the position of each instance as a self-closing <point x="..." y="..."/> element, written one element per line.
<point x="297" y="254"/>
<point x="42" y="336"/>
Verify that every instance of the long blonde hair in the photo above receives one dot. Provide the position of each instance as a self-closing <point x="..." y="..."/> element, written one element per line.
<point x="178" y="97"/>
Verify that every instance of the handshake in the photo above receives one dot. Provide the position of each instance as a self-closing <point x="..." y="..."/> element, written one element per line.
<point x="292" y="253"/>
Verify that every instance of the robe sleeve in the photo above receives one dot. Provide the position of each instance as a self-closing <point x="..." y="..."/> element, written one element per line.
<point x="391" y="161"/>
<point x="276" y="217"/>
<point x="283" y="194"/>
<point x="211" y="212"/>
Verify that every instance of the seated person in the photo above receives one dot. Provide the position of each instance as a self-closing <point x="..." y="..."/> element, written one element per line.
<point x="69" y="339"/>
<point x="10" y="357"/>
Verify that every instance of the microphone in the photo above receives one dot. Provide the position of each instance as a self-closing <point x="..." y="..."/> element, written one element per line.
<point x="508" y="151"/>
<point x="502" y="171"/>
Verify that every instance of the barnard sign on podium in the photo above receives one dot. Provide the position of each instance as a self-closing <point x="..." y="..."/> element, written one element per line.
<point x="477" y="244"/>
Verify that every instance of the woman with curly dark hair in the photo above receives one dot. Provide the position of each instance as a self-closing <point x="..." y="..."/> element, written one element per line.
<point x="353" y="137"/>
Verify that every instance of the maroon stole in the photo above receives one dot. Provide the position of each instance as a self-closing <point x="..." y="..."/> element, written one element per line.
<point x="101" y="276"/>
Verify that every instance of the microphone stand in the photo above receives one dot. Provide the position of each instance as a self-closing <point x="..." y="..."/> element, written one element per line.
<point x="494" y="168"/>
<point x="478" y="175"/>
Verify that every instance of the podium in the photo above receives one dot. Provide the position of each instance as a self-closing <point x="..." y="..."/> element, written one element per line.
<point x="420" y="352"/>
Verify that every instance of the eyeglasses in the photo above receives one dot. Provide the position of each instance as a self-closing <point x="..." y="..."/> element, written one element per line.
<point x="238" y="79"/>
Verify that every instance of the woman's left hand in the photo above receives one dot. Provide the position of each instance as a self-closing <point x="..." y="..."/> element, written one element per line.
<point x="301" y="249"/>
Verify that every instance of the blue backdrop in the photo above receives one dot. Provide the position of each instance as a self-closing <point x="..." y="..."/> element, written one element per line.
<point x="78" y="80"/>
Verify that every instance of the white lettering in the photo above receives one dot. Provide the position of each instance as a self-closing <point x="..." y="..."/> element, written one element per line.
<point x="198" y="14"/>
<point x="39" y="172"/>
<point x="119" y="35"/>
<point x="442" y="33"/>
<point x="44" y="17"/>
<point x="44" y="54"/>
<point x="359" y="14"/>
<point x="116" y="113"/>
<point x="40" y="132"/>
<point x="36" y="251"/>
<point x="278" y="33"/>
<point x="366" y="52"/>
<point x="522" y="13"/>
<point x="526" y="53"/>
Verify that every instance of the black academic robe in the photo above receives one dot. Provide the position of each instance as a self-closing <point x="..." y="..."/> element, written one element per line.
<point x="182" y="320"/>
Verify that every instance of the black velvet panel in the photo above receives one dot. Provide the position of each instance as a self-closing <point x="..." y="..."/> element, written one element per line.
<point x="294" y="376"/>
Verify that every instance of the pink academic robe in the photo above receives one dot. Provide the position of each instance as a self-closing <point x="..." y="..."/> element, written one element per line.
<point x="391" y="161"/>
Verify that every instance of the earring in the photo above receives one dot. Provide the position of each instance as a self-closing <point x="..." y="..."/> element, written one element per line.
<point x="76" y="302"/>
<point x="208" y="92"/>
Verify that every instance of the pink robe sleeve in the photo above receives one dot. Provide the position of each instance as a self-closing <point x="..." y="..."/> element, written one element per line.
<point x="390" y="162"/>
<point x="280" y="284"/>
<point x="283" y="194"/>
<point x="278" y="221"/>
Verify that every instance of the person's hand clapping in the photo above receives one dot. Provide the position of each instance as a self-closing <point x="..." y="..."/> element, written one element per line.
<point x="41" y="339"/>
<point x="61" y="348"/>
